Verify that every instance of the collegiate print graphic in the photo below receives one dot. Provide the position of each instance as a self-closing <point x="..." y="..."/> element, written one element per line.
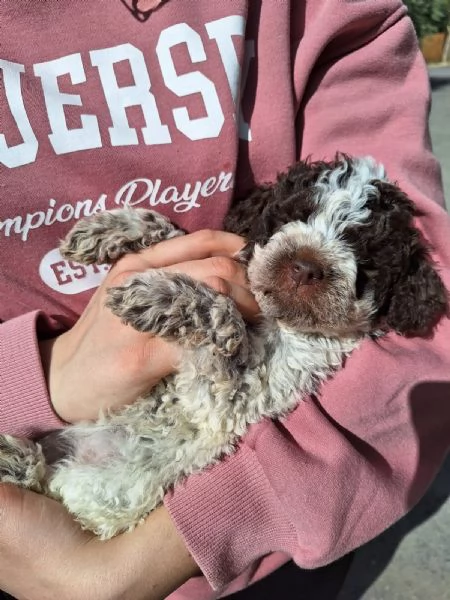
<point x="116" y="101"/>
<point x="118" y="98"/>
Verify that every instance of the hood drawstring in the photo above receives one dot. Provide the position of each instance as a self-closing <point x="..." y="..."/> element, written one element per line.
<point x="141" y="9"/>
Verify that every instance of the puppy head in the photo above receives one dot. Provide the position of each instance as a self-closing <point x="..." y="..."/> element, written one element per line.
<point x="351" y="261"/>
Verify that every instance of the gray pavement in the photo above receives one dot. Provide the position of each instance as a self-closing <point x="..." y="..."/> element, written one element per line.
<point x="440" y="122"/>
<point x="411" y="561"/>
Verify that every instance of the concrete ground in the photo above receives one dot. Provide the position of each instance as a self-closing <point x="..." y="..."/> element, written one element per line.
<point x="440" y="122"/>
<point x="411" y="561"/>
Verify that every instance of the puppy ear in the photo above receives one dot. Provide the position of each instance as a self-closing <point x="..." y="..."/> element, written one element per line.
<point x="245" y="212"/>
<point x="267" y="208"/>
<point x="419" y="298"/>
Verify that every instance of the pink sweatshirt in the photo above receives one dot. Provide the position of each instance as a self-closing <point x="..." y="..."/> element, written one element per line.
<point x="100" y="110"/>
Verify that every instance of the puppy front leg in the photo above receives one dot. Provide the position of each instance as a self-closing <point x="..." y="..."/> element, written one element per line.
<point x="177" y="308"/>
<point x="22" y="463"/>
<point x="105" y="237"/>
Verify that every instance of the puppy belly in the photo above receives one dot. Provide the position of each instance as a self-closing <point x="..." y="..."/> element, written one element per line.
<point x="99" y="482"/>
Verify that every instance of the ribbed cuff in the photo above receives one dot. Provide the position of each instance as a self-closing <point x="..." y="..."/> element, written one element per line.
<point x="229" y="517"/>
<point x="25" y="407"/>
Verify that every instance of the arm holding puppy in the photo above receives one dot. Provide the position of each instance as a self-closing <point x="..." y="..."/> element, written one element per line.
<point x="118" y="363"/>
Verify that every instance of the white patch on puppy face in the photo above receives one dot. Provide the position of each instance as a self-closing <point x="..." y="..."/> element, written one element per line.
<point x="341" y="195"/>
<point x="355" y="180"/>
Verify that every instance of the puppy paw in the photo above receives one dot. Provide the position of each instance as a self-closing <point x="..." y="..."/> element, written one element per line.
<point x="177" y="308"/>
<point x="109" y="235"/>
<point x="22" y="463"/>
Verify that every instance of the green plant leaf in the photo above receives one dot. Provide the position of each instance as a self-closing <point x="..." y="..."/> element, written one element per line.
<point x="429" y="16"/>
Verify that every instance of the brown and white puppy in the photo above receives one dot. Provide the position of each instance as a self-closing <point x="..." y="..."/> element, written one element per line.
<point x="333" y="246"/>
<point x="333" y="257"/>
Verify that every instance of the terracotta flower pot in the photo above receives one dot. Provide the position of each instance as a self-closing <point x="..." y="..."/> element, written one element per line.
<point x="432" y="47"/>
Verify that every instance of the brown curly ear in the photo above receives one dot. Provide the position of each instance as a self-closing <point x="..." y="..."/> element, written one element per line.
<point x="419" y="299"/>
<point x="268" y="207"/>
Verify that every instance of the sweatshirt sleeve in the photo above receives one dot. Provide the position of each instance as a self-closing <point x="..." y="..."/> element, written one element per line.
<point x="344" y="466"/>
<point x="25" y="408"/>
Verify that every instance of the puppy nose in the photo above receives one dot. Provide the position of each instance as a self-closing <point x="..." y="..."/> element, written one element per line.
<point x="306" y="272"/>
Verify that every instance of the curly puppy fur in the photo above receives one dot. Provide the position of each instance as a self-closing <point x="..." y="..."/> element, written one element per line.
<point x="333" y="257"/>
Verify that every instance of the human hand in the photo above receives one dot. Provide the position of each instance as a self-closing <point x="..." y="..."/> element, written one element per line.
<point x="101" y="363"/>
<point x="44" y="555"/>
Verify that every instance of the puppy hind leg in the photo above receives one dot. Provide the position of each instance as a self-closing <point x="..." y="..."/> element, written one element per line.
<point x="109" y="235"/>
<point x="22" y="463"/>
<point x="177" y="308"/>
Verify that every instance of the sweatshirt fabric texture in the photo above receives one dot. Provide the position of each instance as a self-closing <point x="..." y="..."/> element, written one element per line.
<point x="177" y="112"/>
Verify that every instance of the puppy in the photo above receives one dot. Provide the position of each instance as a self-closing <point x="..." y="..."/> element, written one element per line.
<point x="333" y="257"/>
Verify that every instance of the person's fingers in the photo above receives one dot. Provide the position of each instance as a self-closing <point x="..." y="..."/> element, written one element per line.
<point x="223" y="274"/>
<point x="245" y="301"/>
<point x="195" y="246"/>
<point x="216" y="266"/>
<point x="226" y="276"/>
<point x="204" y="256"/>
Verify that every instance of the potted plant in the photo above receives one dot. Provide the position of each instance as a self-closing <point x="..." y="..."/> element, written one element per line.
<point x="431" y="19"/>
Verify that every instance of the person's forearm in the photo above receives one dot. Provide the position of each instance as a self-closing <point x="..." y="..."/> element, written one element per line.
<point x="44" y="553"/>
<point x="153" y="558"/>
